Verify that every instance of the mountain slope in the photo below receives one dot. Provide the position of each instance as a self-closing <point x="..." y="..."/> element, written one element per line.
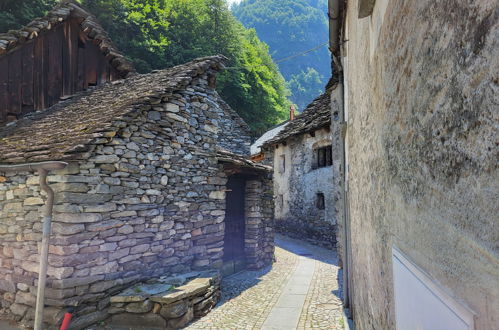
<point x="290" y="27"/>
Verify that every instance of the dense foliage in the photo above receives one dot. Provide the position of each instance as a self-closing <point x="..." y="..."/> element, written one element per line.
<point x="156" y="34"/>
<point x="14" y="13"/>
<point x="290" y="27"/>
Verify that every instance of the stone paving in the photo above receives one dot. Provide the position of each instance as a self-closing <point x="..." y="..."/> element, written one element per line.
<point x="257" y="299"/>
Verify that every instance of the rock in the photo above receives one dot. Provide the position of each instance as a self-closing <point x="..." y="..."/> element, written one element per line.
<point x="18" y="309"/>
<point x="104" y="225"/>
<point x="181" y="322"/>
<point x="81" y="322"/>
<point x="144" y="321"/>
<point x="108" y="159"/>
<point x="164" y="180"/>
<point x="217" y="194"/>
<point x="8" y="286"/>
<point x="139" y="248"/>
<point x="77" y="217"/>
<point x="104" y="269"/>
<point x="169" y="297"/>
<point x="77" y="281"/>
<point x="170" y="107"/>
<point x="175" y="310"/>
<point x="126" y="229"/>
<point x="81" y="198"/>
<point x="176" y="117"/>
<point x="107" y="207"/>
<point x="133" y="146"/>
<point x="139" y="307"/>
<point x="25" y="298"/>
<point x="67" y="229"/>
<point x="33" y="201"/>
<point x="154" y="115"/>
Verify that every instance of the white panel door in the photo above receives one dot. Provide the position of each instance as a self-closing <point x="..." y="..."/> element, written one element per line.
<point x="420" y="304"/>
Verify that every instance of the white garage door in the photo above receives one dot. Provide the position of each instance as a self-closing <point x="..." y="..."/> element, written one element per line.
<point x="420" y="304"/>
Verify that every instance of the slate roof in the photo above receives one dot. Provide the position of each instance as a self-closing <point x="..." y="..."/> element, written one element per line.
<point x="316" y="115"/>
<point x="270" y="134"/>
<point x="225" y="156"/>
<point x="65" y="130"/>
<point x="62" y="12"/>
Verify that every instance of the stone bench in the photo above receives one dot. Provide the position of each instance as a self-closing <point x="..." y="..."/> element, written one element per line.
<point x="165" y="303"/>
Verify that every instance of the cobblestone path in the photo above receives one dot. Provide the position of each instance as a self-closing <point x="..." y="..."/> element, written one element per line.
<point x="264" y="299"/>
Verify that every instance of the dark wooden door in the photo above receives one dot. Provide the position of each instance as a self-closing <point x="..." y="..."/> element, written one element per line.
<point x="234" y="219"/>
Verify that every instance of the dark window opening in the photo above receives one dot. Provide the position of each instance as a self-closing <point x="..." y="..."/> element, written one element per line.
<point x="321" y="205"/>
<point x="282" y="165"/>
<point x="323" y="157"/>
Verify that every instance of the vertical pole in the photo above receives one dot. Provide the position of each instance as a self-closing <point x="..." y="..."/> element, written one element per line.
<point x="42" y="274"/>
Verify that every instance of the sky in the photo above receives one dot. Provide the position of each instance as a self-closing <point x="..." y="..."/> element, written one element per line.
<point x="233" y="1"/>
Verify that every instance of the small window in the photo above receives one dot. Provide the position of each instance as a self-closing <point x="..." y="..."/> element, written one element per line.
<point x="280" y="202"/>
<point x="323" y="157"/>
<point x="321" y="205"/>
<point x="282" y="164"/>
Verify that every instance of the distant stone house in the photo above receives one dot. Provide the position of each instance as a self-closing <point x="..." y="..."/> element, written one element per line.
<point x="157" y="183"/>
<point x="301" y="153"/>
<point x="417" y="96"/>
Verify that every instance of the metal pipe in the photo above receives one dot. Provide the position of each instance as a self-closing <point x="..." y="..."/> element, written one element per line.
<point x="334" y="26"/>
<point x="336" y="14"/>
<point x="43" y="169"/>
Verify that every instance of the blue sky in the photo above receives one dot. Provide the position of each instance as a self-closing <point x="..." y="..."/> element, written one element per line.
<point x="233" y="1"/>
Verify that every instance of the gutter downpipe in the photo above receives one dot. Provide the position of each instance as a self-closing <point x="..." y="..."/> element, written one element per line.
<point x="43" y="169"/>
<point x="336" y="13"/>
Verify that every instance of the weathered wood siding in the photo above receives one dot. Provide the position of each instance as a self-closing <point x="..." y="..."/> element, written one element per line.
<point x="55" y="64"/>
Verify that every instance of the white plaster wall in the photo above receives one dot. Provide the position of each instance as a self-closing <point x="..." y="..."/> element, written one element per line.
<point x="299" y="184"/>
<point x="422" y="112"/>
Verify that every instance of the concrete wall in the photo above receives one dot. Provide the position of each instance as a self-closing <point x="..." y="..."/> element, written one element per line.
<point x="297" y="186"/>
<point x="421" y="99"/>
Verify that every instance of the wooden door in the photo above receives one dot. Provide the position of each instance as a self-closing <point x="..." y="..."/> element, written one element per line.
<point x="234" y="219"/>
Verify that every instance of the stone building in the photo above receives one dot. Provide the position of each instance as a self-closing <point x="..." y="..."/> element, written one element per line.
<point x="419" y="85"/>
<point x="157" y="183"/>
<point x="301" y="153"/>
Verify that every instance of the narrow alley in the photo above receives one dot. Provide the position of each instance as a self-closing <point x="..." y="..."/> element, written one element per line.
<point x="300" y="291"/>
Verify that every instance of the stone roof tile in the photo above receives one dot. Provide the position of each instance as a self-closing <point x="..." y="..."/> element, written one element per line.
<point x="316" y="115"/>
<point x="65" y="130"/>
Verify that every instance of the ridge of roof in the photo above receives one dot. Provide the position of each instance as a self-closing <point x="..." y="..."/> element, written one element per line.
<point x="63" y="11"/>
<point x="316" y="115"/>
<point x="65" y="130"/>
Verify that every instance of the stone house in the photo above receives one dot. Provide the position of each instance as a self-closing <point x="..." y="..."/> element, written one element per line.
<point x="416" y="96"/>
<point x="301" y="153"/>
<point x="157" y="183"/>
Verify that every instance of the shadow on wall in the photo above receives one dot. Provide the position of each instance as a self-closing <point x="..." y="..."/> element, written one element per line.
<point x="319" y="233"/>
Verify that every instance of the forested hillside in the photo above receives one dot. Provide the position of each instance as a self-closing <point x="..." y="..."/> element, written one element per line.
<point x="291" y="27"/>
<point x="156" y="34"/>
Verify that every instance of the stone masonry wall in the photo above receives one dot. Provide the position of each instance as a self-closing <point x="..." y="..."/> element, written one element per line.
<point x="234" y="134"/>
<point x="259" y="215"/>
<point x="422" y="105"/>
<point x="148" y="201"/>
<point x="296" y="189"/>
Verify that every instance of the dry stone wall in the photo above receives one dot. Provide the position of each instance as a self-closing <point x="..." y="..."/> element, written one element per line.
<point x="259" y="214"/>
<point x="147" y="201"/>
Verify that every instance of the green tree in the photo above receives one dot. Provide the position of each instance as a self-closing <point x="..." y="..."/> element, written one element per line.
<point x="161" y="33"/>
<point x="304" y="85"/>
<point x="155" y="34"/>
<point x="14" y="13"/>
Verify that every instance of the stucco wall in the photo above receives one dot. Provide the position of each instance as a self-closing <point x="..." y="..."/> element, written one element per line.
<point x="422" y="106"/>
<point x="299" y="184"/>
